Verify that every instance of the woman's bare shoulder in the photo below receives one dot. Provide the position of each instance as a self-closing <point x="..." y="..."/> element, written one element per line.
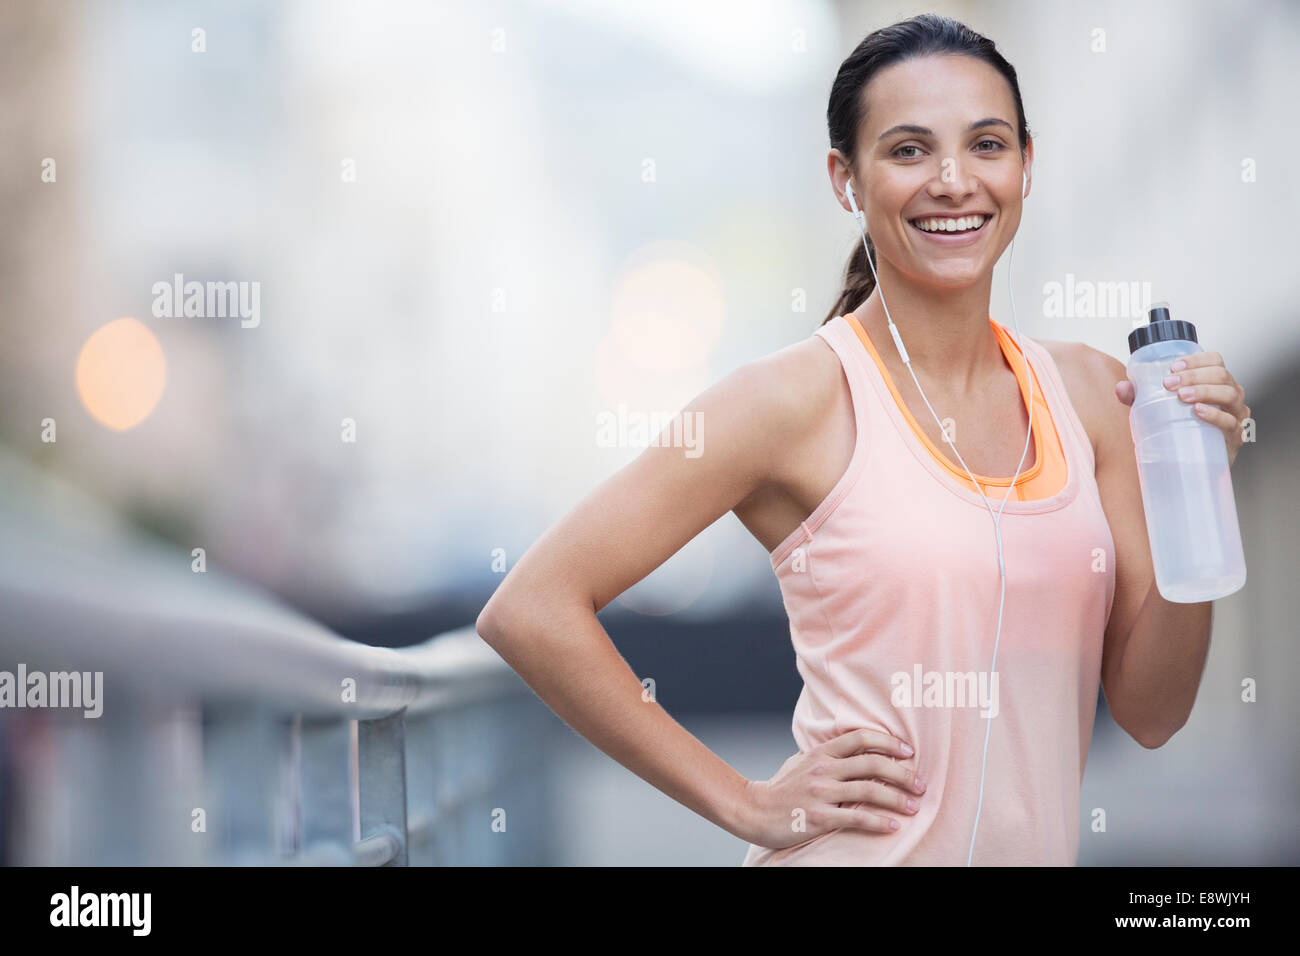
<point x="794" y="386"/>
<point x="1089" y="376"/>
<point x="768" y="412"/>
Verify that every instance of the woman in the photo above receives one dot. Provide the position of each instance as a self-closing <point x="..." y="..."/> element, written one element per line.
<point x="912" y="748"/>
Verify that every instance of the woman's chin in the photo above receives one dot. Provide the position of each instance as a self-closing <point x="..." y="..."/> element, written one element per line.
<point x="953" y="277"/>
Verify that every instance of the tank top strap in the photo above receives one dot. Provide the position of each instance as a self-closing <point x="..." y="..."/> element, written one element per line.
<point x="1070" y="426"/>
<point x="840" y="337"/>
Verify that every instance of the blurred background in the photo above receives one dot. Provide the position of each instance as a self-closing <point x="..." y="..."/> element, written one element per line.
<point x="467" y="243"/>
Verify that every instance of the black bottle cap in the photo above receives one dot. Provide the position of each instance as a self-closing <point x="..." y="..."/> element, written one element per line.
<point x="1160" y="328"/>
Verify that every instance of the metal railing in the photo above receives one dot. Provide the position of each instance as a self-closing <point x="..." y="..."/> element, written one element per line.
<point x="234" y="730"/>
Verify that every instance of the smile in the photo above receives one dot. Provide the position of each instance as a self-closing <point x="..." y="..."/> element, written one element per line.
<point x="964" y="224"/>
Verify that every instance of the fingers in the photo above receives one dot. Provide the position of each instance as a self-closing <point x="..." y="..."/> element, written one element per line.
<point x="1205" y="375"/>
<point x="1200" y="360"/>
<point x="1125" y="392"/>
<point x="1210" y="384"/>
<point x="878" y="793"/>
<point x="860" y="741"/>
<point x="879" y="780"/>
<point x="875" y="767"/>
<point x="837" y="817"/>
<point x="865" y="767"/>
<point x="1225" y="396"/>
<point x="1217" y="417"/>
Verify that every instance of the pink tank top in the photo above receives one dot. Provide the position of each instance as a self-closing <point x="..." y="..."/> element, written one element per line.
<point x="1046" y="474"/>
<point x="891" y="586"/>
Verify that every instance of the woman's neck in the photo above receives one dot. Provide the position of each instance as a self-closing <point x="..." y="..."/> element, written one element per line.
<point x="947" y="334"/>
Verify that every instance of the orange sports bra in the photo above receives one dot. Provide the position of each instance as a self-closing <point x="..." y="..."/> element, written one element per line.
<point x="1047" y="476"/>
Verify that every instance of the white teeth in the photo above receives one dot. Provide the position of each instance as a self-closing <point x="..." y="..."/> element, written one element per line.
<point x="950" y="225"/>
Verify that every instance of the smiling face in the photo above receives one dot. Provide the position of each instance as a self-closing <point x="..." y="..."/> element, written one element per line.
<point x="939" y="162"/>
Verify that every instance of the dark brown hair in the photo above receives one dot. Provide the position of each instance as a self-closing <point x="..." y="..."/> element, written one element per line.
<point x="922" y="35"/>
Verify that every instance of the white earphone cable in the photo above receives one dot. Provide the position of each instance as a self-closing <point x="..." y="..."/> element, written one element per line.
<point x="997" y="519"/>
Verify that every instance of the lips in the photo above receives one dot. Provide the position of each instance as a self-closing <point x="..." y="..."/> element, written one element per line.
<point x="965" y="237"/>
<point x="940" y="221"/>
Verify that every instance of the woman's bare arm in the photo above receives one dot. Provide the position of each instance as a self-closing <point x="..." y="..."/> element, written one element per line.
<point x="542" y="618"/>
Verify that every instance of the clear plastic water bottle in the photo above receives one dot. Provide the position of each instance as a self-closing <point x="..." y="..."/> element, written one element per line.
<point x="1183" y="470"/>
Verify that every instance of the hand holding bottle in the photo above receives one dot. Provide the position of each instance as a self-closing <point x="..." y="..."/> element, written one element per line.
<point x="1180" y="397"/>
<point x="1219" y="399"/>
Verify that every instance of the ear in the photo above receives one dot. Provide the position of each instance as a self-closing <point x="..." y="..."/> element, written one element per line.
<point x="839" y="170"/>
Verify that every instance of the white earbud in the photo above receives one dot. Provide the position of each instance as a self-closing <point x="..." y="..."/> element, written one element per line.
<point x="1024" y="184"/>
<point x="853" y="202"/>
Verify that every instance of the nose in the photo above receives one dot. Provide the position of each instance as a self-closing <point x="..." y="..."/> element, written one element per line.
<point x="954" y="180"/>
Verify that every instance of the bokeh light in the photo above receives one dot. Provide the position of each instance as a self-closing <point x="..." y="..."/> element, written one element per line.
<point x="668" y="307"/>
<point x="121" y="373"/>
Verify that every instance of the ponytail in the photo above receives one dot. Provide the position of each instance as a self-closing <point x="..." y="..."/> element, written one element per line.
<point x="858" y="281"/>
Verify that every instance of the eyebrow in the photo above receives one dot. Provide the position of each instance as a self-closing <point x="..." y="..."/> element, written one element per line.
<point x="923" y="131"/>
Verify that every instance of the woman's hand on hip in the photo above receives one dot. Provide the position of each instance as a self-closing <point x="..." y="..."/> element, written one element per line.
<point x="805" y="798"/>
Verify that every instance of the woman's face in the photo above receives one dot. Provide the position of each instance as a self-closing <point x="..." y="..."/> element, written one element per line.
<point x="938" y="141"/>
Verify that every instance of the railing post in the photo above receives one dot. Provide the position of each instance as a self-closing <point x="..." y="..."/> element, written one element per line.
<point x="324" y="771"/>
<point x="422" y="774"/>
<point x="107" y="770"/>
<point x="243" y="750"/>
<point x="381" y="763"/>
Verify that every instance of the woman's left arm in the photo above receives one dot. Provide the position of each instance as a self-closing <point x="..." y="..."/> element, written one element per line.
<point x="1155" y="650"/>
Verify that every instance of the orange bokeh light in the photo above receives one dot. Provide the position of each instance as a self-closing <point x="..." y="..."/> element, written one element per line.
<point x="121" y="373"/>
